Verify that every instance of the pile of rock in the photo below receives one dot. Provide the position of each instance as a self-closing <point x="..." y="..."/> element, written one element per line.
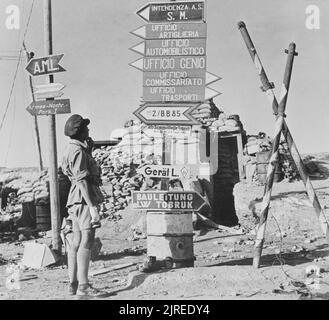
<point x="37" y="191"/>
<point x="138" y="146"/>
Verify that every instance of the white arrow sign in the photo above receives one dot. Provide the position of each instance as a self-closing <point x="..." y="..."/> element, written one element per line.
<point x="166" y="171"/>
<point x="47" y="95"/>
<point x="210" y="78"/>
<point x="48" y="87"/>
<point x="138" y="64"/>
<point x="211" y="93"/>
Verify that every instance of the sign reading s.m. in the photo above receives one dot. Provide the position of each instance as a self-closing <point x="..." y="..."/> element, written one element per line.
<point x="172" y="11"/>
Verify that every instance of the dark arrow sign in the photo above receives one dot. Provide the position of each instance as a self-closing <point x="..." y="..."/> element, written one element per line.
<point x="167" y="200"/>
<point x="48" y="107"/>
<point x="172" y="11"/>
<point x="161" y="113"/>
<point x="45" y="65"/>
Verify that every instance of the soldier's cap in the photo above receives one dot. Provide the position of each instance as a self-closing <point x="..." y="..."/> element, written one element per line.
<point x="74" y="123"/>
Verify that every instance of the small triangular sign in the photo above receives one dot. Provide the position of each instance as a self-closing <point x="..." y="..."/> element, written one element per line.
<point x="144" y="12"/>
<point x="211" y="93"/>
<point x="138" y="64"/>
<point x="210" y="78"/>
<point x="139" y="48"/>
<point x="140" y="32"/>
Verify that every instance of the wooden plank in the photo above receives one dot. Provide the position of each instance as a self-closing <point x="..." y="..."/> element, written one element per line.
<point x="112" y="268"/>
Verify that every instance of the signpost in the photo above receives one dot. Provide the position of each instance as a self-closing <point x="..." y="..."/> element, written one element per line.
<point x="45" y="65"/>
<point x="48" y="107"/>
<point x="187" y="63"/>
<point x="49" y="65"/>
<point x="171" y="47"/>
<point x="174" y="84"/>
<point x="41" y="88"/>
<point x="166" y="171"/>
<point x="178" y="94"/>
<point x="167" y="200"/>
<point x="172" y="11"/>
<point x="158" y="113"/>
<point x="171" y="31"/>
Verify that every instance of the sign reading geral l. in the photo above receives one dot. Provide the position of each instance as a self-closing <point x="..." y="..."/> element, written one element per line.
<point x="172" y="11"/>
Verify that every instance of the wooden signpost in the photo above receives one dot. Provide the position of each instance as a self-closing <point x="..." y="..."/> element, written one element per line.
<point x="48" y="65"/>
<point x="174" y="84"/>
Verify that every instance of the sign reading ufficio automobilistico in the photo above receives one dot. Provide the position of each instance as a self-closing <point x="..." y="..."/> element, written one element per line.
<point x="167" y="200"/>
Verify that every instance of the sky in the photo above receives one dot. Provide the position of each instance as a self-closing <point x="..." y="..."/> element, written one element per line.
<point x="95" y="38"/>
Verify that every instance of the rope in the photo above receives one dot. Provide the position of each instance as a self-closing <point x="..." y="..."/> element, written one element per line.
<point x="16" y="70"/>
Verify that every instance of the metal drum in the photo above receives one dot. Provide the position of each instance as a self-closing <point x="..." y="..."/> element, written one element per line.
<point x="43" y="218"/>
<point x="171" y="235"/>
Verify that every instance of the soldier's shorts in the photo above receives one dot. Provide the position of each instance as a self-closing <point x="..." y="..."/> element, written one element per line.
<point x="80" y="216"/>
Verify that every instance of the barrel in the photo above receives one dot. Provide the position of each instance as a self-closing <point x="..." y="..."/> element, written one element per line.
<point x="170" y="235"/>
<point x="262" y="159"/>
<point x="43" y="218"/>
<point x="28" y="215"/>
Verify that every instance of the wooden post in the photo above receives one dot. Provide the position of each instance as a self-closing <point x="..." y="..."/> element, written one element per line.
<point x="53" y="174"/>
<point x="274" y="157"/>
<point x="36" y="128"/>
<point x="268" y="89"/>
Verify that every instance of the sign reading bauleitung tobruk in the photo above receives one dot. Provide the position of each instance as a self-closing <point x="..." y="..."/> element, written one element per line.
<point x="167" y="200"/>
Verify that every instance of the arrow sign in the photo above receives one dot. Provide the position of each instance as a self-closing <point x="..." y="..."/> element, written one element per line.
<point x="171" y="47"/>
<point x="211" y="93"/>
<point x="171" y="31"/>
<point x="45" y="65"/>
<point x="170" y="63"/>
<point x="160" y="113"/>
<point x="176" y="94"/>
<point x="167" y="200"/>
<point x="49" y="107"/>
<point x="172" y="12"/>
<point x="50" y="87"/>
<point x="211" y="78"/>
<point x="165" y="171"/>
<point x="47" y="95"/>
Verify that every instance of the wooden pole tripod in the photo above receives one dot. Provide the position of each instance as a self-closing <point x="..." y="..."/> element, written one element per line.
<point x="280" y="126"/>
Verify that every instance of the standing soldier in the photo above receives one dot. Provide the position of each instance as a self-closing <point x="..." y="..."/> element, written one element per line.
<point x="82" y="203"/>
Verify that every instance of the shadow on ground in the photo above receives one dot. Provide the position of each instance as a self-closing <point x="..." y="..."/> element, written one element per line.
<point x="291" y="258"/>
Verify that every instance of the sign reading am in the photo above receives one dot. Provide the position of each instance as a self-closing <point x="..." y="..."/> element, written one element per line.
<point x="45" y="65"/>
<point x="172" y="11"/>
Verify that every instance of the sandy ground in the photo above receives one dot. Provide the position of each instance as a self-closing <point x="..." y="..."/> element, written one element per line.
<point x="223" y="266"/>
